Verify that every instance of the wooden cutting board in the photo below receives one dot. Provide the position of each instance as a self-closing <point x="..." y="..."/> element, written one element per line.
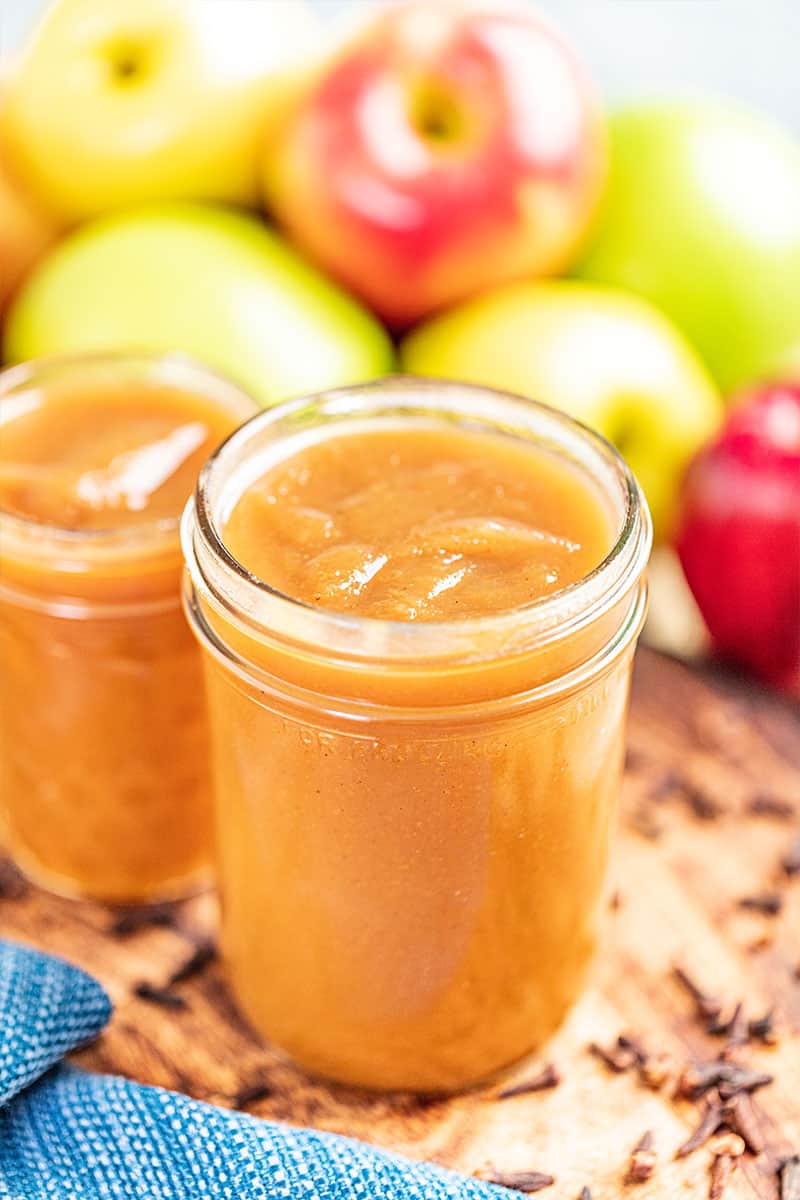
<point x="711" y="807"/>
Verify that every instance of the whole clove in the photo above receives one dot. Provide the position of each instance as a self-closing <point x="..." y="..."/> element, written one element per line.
<point x="164" y="995"/>
<point x="742" y="1079"/>
<point x="159" y="995"/>
<point x="708" y="1007"/>
<point x="627" y="1042"/>
<point x="767" y="804"/>
<point x="642" y="1161"/>
<point x="618" y="1058"/>
<point x="517" y="1181"/>
<point x="735" y="1030"/>
<point x="710" y="1122"/>
<point x="133" y="920"/>
<point x="739" y="1116"/>
<point x="585" y="1194"/>
<point x="762" y="1029"/>
<point x="769" y="904"/>
<point x="197" y="962"/>
<point x="251" y="1094"/>
<point x="729" y="1077"/>
<point x="789" y="1178"/>
<point x="548" y="1077"/>
<point x="701" y="804"/>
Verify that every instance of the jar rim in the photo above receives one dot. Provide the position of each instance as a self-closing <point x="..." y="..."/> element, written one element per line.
<point x="172" y="369"/>
<point x="253" y="604"/>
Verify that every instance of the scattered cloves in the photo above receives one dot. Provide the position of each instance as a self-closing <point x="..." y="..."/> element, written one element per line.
<point x="642" y="1161"/>
<point x="762" y="1029"/>
<point x="767" y="804"/>
<point x="708" y="1007"/>
<point x="159" y="995"/>
<point x="517" y="1181"/>
<point x="197" y="962"/>
<point x="710" y="1122"/>
<point x="769" y="904"/>
<point x="740" y="1117"/>
<point x="250" y="1094"/>
<point x="618" y="1058"/>
<point x="132" y="920"/>
<point x="702" y="805"/>
<point x="548" y="1077"/>
<point x="729" y="1077"/>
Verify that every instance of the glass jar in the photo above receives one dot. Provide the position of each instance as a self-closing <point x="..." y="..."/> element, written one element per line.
<point x="413" y="820"/>
<point x="104" y="778"/>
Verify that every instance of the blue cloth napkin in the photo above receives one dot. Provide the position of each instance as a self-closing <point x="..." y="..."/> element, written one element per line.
<point x="66" y="1134"/>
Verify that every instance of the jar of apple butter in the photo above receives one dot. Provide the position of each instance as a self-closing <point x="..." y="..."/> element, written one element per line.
<point x="418" y="604"/>
<point x="104" y="779"/>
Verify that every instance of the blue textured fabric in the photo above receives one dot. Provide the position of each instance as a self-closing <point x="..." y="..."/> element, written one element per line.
<point x="76" y="1136"/>
<point x="47" y="1007"/>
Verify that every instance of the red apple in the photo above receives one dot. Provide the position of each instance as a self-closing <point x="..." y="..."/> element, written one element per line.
<point x="739" y="538"/>
<point x="447" y="148"/>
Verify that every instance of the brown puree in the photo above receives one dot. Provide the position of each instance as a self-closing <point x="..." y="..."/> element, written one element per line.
<point x="413" y="830"/>
<point x="103" y="771"/>
<point x="420" y="525"/>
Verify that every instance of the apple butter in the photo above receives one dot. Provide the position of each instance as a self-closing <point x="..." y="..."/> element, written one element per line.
<point x="104" y="783"/>
<point x="418" y="603"/>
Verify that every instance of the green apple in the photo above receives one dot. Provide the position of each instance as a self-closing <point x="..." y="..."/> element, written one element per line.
<point x="118" y="103"/>
<point x="702" y="218"/>
<point x="211" y="282"/>
<point x="603" y="356"/>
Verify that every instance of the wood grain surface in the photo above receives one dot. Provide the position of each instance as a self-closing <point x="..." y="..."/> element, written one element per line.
<point x="710" y="816"/>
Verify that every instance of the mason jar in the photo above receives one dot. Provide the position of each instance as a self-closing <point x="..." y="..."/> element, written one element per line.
<point x="413" y="818"/>
<point x="104" y="776"/>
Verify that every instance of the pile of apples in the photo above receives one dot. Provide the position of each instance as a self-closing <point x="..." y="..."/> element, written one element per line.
<point x="437" y="190"/>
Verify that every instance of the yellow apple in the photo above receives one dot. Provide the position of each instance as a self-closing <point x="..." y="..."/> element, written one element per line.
<point x="25" y="233"/>
<point x="116" y="102"/>
<point x="604" y="356"/>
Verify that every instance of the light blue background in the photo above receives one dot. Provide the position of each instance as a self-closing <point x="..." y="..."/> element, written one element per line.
<point x="747" y="49"/>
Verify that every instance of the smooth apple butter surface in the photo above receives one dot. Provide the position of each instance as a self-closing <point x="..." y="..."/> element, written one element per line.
<point x="104" y="777"/>
<point x="417" y="744"/>
<point x="420" y="525"/>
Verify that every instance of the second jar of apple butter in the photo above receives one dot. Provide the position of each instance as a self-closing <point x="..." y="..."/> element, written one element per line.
<point x="104" y="779"/>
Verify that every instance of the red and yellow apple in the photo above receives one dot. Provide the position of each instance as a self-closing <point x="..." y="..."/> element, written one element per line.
<point x="118" y="103"/>
<point x="446" y="148"/>
<point x="601" y="355"/>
